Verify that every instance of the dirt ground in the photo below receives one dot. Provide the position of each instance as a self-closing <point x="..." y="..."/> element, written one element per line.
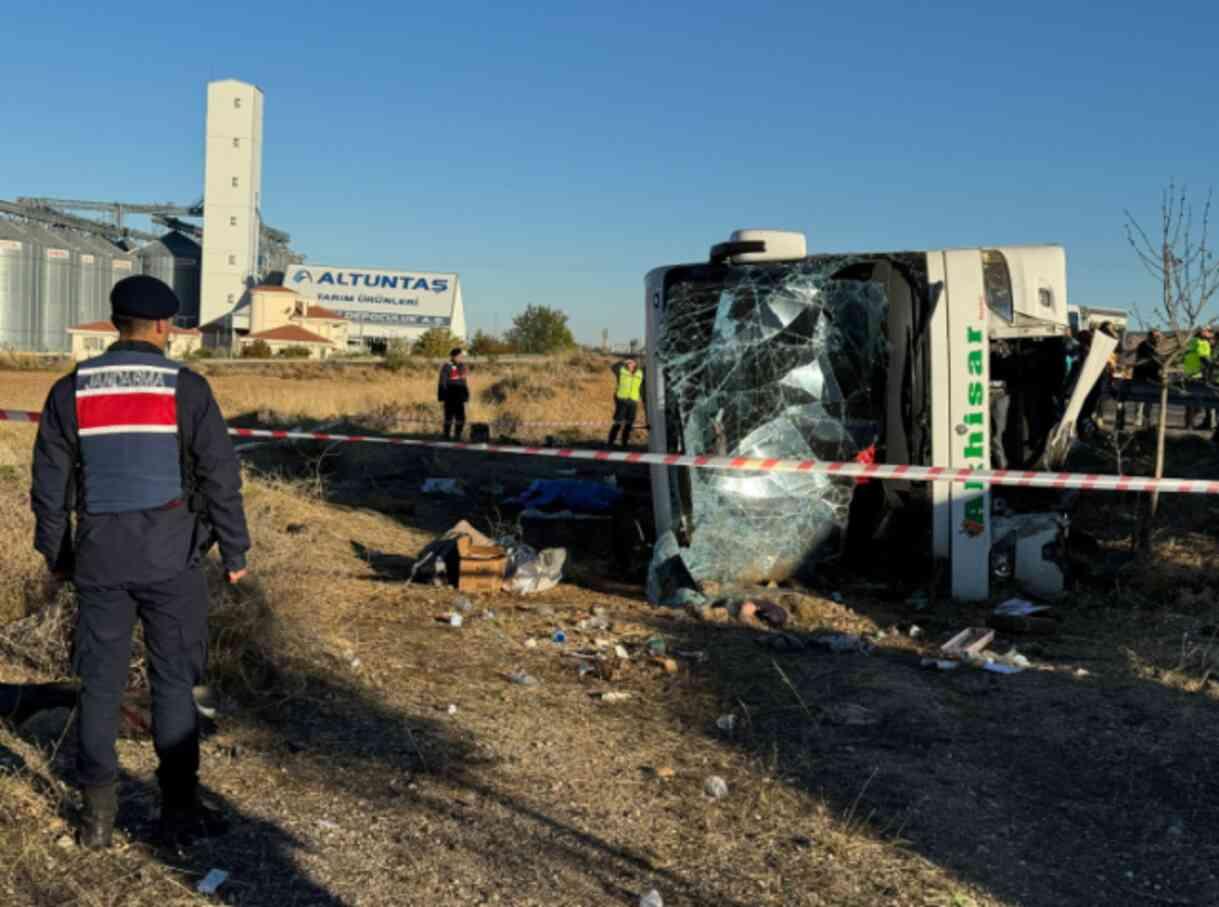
<point x="374" y="755"/>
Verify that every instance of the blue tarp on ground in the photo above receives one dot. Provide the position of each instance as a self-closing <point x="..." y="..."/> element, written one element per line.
<point x="569" y="494"/>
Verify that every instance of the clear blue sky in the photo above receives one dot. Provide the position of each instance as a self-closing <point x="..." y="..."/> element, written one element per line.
<point x="553" y="155"/>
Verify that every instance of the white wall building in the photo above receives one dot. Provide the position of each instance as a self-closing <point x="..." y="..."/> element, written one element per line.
<point x="94" y="338"/>
<point x="232" y="187"/>
<point x="382" y="305"/>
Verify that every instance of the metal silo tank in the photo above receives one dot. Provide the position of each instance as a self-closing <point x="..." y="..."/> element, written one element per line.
<point x="175" y="259"/>
<point x="57" y="264"/>
<point x="16" y="287"/>
<point x="91" y="263"/>
<point x="123" y="264"/>
<point x="104" y="253"/>
<point x="188" y="269"/>
<point x="105" y="280"/>
<point x="54" y="290"/>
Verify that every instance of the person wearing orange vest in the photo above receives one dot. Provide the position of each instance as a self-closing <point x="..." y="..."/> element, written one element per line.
<point x="627" y="394"/>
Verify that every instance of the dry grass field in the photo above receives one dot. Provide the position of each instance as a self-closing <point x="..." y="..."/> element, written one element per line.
<point x="373" y="755"/>
<point x="565" y="390"/>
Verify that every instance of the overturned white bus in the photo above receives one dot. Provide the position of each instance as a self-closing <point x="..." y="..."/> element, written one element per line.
<point x="901" y="357"/>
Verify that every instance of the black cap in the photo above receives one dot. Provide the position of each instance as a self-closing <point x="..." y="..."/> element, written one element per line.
<point x="141" y="296"/>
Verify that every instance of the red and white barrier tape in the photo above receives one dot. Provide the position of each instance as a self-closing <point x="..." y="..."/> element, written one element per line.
<point x="493" y="422"/>
<point x="1020" y="478"/>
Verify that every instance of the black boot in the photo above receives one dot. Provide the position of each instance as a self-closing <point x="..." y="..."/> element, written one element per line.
<point x="186" y="819"/>
<point x="97" y="818"/>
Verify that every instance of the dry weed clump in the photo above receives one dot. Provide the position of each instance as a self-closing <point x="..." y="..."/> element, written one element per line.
<point x="507" y="424"/>
<point x="398" y="417"/>
<point x="40" y="867"/>
<point x="42" y="640"/>
<point x="517" y="385"/>
<point x="589" y="363"/>
<point x="252" y="646"/>
<point x="12" y="361"/>
<point x="22" y="571"/>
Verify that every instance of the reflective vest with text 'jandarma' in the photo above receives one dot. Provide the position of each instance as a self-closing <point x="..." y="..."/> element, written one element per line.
<point x="127" y="419"/>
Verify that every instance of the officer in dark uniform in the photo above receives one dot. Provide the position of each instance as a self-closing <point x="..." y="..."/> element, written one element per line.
<point x="454" y="392"/>
<point x="135" y="445"/>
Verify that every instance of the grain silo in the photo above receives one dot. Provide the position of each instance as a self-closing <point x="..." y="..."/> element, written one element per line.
<point x="174" y="260"/>
<point x="56" y="264"/>
<point x="93" y="280"/>
<point x="17" y="282"/>
<point x="111" y="265"/>
<point x="124" y="263"/>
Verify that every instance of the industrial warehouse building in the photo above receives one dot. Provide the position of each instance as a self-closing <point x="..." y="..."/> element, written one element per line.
<point x="57" y="268"/>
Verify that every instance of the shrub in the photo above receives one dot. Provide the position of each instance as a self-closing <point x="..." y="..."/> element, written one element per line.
<point x="485" y="344"/>
<point x="259" y="349"/>
<point x="591" y="363"/>
<point x="398" y="358"/>
<point x="540" y="330"/>
<point x="506" y="425"/>
<point x="294" y="352"/>
<point x="516" y="385"/>
<point x="203" y="352"/>
<point x="397" y="355"/>
<point x="435" y="344"/>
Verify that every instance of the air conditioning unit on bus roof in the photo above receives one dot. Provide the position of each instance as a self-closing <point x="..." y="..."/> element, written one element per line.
<point x="750" y="246"/>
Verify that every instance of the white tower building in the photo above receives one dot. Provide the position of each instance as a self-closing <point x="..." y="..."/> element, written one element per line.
<point x="232" y="187"/>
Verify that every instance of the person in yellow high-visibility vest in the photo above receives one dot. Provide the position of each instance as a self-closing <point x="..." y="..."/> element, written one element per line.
<point x="1197" y="366"/>
<point x="1197" y="363"/>
<point x="627" y="394"/>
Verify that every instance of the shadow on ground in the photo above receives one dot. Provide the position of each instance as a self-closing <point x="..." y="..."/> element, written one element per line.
<point x="433" y="785"/>
<point x="1085" y="784"/>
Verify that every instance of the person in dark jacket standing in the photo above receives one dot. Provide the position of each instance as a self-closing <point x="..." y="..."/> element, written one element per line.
<point x="628" y="391"/>
<point x="454" y="392"/>
<point x="1148" y="370"/>
<point x="135" y="445"/>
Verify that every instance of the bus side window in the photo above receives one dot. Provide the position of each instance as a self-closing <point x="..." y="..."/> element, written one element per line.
<point x="998" y="283"/>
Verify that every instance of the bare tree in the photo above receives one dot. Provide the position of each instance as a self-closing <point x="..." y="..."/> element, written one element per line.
<point x="1182" y="262"/>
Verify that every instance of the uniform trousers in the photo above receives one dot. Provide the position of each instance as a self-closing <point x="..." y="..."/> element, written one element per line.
<point x="624" y="420"/>
<point x="454" y="416"/>
<point x="174" y="616"/>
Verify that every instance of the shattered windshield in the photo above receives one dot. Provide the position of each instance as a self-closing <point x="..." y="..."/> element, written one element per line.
<point x="773" y="361"/>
